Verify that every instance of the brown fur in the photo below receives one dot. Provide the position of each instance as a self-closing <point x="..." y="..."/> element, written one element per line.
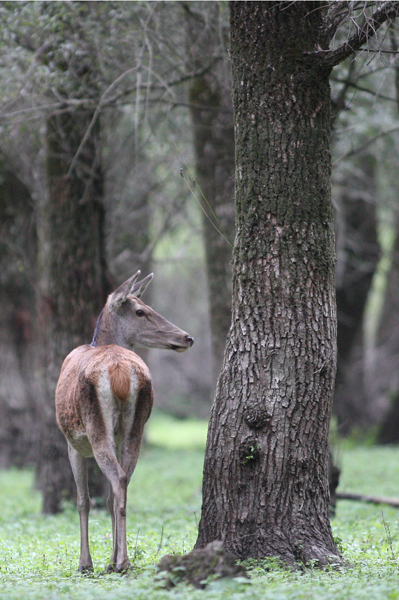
<point x="144" y="404"/>
<point x="77" y="406"/>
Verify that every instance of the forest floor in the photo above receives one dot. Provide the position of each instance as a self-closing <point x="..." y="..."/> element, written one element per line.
<point x="39" y="555"/>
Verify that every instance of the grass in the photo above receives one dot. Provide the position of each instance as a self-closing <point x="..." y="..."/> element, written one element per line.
<point x="164" y="430"/>
<point x="39" y="555"/>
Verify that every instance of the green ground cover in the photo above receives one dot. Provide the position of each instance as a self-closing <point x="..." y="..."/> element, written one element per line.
<point x="39" y="555"/>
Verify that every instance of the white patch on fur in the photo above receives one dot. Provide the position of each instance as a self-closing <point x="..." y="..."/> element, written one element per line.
<point x="118" y="416"/>
<point x="80" y="442"/>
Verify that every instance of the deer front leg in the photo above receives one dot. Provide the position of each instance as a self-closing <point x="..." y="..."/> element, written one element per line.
<point x="79" y="469"/>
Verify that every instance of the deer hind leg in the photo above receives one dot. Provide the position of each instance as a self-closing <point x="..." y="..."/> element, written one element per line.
<point x="113" y="563"/>
<point x="130" y="449"/>
<point x="127" y="461"/>
<point x="110" y="505"/>
<point x="108" y="463"/>
<point x="79" y="469"/>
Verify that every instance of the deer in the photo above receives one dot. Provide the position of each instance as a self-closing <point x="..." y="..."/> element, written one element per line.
<point x="103" y="399"/>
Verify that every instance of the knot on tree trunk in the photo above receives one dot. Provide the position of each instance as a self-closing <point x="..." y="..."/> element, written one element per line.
<point x="249" y="452"/>
<point x="257" y="417"/>
<point x="199" y="567"/>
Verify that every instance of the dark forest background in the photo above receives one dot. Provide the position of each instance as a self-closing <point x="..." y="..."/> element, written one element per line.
<point x="117" y="153"/>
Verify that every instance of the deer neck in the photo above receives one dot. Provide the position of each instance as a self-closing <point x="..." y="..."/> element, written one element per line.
<point x="107" y="331"/>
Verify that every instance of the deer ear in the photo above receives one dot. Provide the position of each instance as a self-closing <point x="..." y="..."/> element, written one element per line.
<point x="140" y="287"/>
<point x="118" y="297"/>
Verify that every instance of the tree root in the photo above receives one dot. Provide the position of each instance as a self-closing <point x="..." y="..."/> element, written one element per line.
<point x="198" y="567"/>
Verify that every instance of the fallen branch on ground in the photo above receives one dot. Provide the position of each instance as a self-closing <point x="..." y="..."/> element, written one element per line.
<point x="370" y="499"/>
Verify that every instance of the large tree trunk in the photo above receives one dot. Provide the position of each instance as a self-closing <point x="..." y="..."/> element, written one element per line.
<point x="265" y="489"/>
<point x="212" y="118"/>
<point x="73" y="284"/>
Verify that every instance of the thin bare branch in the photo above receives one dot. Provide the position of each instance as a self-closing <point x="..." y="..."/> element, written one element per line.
<point x="96" y="114"/>
<point x="336" y="14"/>
<point x="385" y="12"/>
<point x="340" y="102"/>
<point x="394" y="46"/>
<point x="361" y="88"/>
<point x="365" y="145"/>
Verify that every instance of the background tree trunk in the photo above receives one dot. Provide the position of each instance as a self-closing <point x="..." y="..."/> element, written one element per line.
<point x="213" y="132"/>
<point x="265" y="489"/>
<point x="358" y="254"/>
<point x="17" y="299"/>
<point x="384" y="381"/>
<point x="73" y="285"/>
<point x="384" y="378"/>
<point x="129" y="214"/>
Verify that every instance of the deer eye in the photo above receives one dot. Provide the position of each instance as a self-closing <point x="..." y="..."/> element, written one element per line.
<point x="140" y="313"/>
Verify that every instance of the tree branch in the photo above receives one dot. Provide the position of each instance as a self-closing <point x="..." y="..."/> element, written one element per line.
<point x="340" y="102"/>
<point x="386" y="11"/>
<point x="95" y="116"/>
<point x="365" y="145"/>
<point x="394" y="502"/>
<point x="337" y="13"/>
<point x="360" y="88"/>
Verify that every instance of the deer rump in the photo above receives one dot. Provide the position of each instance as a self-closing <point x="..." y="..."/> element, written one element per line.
<point x="109" y="403"/>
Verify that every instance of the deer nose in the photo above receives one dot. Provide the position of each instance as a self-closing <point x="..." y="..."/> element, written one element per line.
<point x="189" y="340"/>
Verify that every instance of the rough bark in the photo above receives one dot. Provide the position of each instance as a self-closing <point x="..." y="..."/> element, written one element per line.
<point x="213" y="132"/>
<point x="265" y="489"/>
<point x="73" y="284"/>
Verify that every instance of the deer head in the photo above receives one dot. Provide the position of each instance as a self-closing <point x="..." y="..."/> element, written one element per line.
<point x="128" y="322"/>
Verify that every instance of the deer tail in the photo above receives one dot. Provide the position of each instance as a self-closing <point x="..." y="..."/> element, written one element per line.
<point x="119" y="379"/>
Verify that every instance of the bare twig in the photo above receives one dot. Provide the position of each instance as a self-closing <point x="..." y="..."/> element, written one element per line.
<point x="336" y="14"/>
<point x="361" y="88"/>
<point x="96" y="114"/>
<point x="365" y="145"/>
<point x="385" y="12"/>
<point x="212" y="218"/>
<point x="340" y="101"/>
<point x="394" y="46"/>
